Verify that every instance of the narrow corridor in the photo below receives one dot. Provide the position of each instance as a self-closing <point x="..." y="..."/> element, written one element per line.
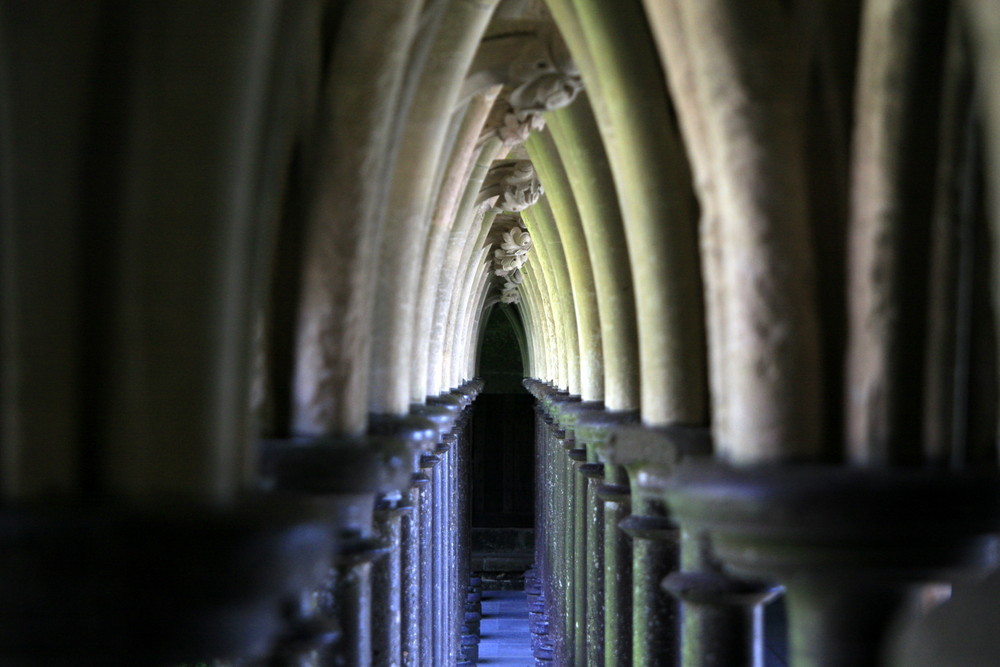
<point x="505" y="635"/>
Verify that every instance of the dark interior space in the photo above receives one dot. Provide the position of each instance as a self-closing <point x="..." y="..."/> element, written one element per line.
<point x="502" y="431"/>
<point x="502" y="470"/>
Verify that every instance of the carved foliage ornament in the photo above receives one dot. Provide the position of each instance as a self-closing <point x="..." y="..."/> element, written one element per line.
<point x="541" y="77"/>
<point x="508" y="260"/>
<point x="520" y="187"/>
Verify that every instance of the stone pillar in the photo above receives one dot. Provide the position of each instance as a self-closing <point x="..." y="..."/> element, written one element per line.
<point x="549" y="526"/>
<point x="466" y="626"/>
<point x="649" y="455"/>
<point x="582" y="473"/>
<point x="347" y="474"/>
<point x="427" y="467"/>
<point x="723" y="615"/>
<point x="611" y="501"/>
<point x="553" y="401"/>
<point x="463" y="526"/>
<point x="445" y="631"/>
<point x="396" y="580"/>
<point x="655" y="554"/>
<point x="443" y="413"/>
<point x="387" y="581"/>
<point x="791" y="524"/>
<point x="541" y="587"/>
<point x="617" y="568"/>
<point x="593" y="477"/>
<point x="350" y="595"/>
<point x="410" y="538"/>
<point x="578" y="551"/>
<point x="446" y="556"/>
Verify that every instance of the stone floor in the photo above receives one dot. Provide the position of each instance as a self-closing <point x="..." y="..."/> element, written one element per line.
<point x="503" y="632"/>
<point x="505" y="639"/>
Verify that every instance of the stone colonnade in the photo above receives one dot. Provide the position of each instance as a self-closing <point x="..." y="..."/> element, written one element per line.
<point x="249" y="248"/>
<point x="248" y="251"/>
<point x="779" y="415"/>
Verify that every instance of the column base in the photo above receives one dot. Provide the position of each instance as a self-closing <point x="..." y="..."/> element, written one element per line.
<point x="850" y="545"/>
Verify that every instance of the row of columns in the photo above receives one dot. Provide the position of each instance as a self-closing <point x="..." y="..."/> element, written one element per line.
<point x="651" y="552"/>
<point x="354" y="552"/>
<point x="238" y="243"/>
<point x="397" y="582"/>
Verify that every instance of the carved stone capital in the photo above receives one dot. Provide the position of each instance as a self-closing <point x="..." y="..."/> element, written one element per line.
<point x="514" y="183"/>
<point x="514" y="245"/>
<point x="530" y="58"/>
<point x="542" y="75"/>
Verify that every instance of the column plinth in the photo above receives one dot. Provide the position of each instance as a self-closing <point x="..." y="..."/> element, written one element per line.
<point x="849" y="545"/>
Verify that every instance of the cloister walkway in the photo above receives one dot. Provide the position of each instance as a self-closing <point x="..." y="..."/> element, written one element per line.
<point x="505" y="639"/>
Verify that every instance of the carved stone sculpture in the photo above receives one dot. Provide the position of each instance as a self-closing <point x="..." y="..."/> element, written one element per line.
<point x="541" y="76"/>
<point x="514" y="183"/>
<point x="508" y="259"/>
<point x="521" y="188"/>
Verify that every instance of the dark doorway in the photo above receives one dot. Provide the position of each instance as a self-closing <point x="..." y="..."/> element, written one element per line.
<point x="503" y="455"/>
<point x="503" y="475"/>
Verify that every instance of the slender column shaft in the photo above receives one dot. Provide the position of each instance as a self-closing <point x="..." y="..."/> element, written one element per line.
<point x="427" y="463"/>
<point x="594" y="516"/>
<point x="462" y="532"/>
<point x="655" y="554"/>
<point x="565" y="508"/>
<point x="387" y="584"/>
<point x="438" y="611"/>
<point x="410" y="540"/>
<point x="617" y="569"/>
<point x="723" y="616"/>
<point x="349" y="598"/>
<point x="578" y="457"/>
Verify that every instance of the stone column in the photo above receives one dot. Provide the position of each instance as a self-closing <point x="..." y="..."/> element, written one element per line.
<point x="553" y="401"/>
<point x="466" y="636"/>
<point x="427" y="467"/>
<point x="463" y="523"/>
<point x="468" y="589"/>
<point x="649" y="455"/>
<point x="612" y="497"/>
<point x="444" y="558"/>
<point x="617" y="500"/>
<point x="350" y="595"/>
<point x="790" y="524"/>
<point x="550" y="535"/>
<point x="387" y="581"/>
<point x="546" y="536"/>
<point x="445" y="635"/>
<point x="723" y="615"/>
<point x="655" y="554"/>
<point x="578" y="551"/>
<point x="588" y="548"/>
<point x="410" y="538"/>
<point x="443" y="414"/>
<point x="593" y="476"/>
<point x="347" y="474"/>
<point x="392" y="581"/>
